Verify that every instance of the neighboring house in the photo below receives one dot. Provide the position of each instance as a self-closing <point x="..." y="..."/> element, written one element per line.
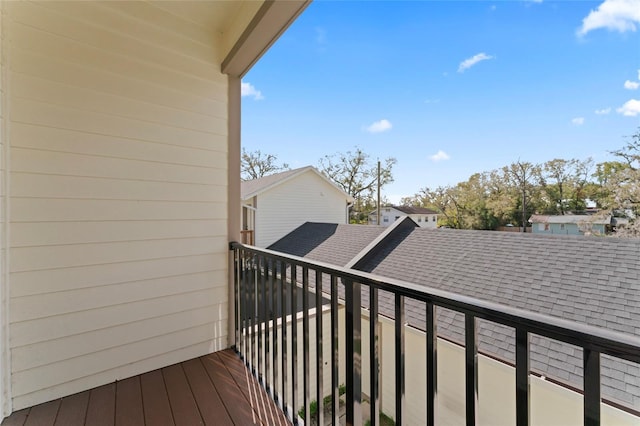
<point x="523" y="271"/>
<point x="570" y="224"/>
<point x="120" y="149"/>
<point x="425" y="218"/>
<point x="274" y="205"/>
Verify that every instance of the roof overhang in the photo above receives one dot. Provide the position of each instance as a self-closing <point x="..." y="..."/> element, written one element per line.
<point x="269" y="22"/>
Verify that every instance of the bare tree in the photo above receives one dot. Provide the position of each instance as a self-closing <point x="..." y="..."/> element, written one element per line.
<point x="255" y="165"/>
<point x="522" y="174"/>
<point x="356" y="174"/>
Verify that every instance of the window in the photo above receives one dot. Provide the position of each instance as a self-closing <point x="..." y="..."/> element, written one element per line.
<point x="433" y="218"/>
<point x="420" y="219"/>
<point x="385" y="219"/>
<point x="562" y="226"/>
<point x="546" y="226"/>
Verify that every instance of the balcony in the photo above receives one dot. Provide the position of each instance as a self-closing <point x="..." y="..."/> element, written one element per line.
<point x="304" y="346"/>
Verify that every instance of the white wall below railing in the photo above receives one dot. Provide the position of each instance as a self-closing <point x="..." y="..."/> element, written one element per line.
<point x="550" y="404"/>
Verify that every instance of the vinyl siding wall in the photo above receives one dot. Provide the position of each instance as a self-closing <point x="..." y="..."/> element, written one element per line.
<point x="117" y="194"/>
<point x="305" y="198"/>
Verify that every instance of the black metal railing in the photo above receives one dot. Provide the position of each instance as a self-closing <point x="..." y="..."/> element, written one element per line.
<point x="273" y="294"/>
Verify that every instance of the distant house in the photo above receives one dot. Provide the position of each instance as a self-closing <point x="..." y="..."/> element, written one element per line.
<point x="274" y="205"/>
<point x="570" y="224"/>
<point x="425" y="218"/>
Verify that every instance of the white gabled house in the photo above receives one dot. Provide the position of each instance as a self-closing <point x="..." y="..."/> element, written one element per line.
<point x="119" y="185"/>
<point x="274" y="205"/>
<point x="425" y="218"/>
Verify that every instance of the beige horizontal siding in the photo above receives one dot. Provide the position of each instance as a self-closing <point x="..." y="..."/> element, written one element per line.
<point x="118" y="194"/>
<point x="305" y="198"/>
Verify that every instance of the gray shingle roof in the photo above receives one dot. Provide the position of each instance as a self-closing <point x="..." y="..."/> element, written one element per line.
<point x="590" y="280"/>
<point x="327" y="242"/>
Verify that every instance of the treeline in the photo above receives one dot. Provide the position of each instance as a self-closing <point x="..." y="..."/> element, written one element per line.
<point x="510" y="195"/>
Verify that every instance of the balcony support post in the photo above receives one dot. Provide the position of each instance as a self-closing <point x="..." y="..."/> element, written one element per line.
<point x="353" y="322"/>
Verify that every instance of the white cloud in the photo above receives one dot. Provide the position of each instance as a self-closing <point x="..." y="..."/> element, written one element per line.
<point x="631" y="108"/>
<point x="631" y="85"/>
<point x="469" y="62"/>
<point x="603" y="111"/>
<point x="379" y="126"/>
<point x="247" y="89"/>
<point x="614" y="15"/>
<point x="439" y="156"/>
<point x="321" y="35"/>
<point x="578" y="121"/>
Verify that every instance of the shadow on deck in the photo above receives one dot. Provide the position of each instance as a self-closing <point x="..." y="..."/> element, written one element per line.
<point x="215" y="389"/>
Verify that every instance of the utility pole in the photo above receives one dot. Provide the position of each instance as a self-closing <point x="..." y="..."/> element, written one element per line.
<point x="378" y="215"/>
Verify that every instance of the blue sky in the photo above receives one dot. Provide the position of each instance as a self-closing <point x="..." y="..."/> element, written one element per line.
<point x="449" y="88"/>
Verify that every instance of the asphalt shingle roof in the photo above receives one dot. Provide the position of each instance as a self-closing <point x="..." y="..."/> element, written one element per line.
<point x="327" y="242"/>
<point x="590" y="280"/>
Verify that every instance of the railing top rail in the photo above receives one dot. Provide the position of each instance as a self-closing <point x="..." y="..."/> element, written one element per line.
<point x="605" y="341"/>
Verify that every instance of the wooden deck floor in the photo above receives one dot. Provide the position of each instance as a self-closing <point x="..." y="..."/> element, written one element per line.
<point x="215" y="389"/>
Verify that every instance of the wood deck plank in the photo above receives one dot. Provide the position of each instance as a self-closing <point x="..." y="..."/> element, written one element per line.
<point x="215" y="389"/>
<point x="262" y="404"/>
<point x="17" y="418"/>
<point x="102" y="404"/>
<point x="129" y="402"/>
<point x="211" y="407"/>
<point x="234" y="399"/>
<point x="157" y="410"/>
<point x="183" y="404"/>
<point x="43" y="414"/>
<point x="73" y="410"/>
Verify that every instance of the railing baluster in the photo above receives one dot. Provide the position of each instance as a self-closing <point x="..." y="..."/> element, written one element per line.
<point x="305" y="345"/>
<point x="335" y="355"/>
<point x="274" y="321"/>
<point x="374" y="356"/>
<point x="245" y="309"/>
<point x="432" y="364"/>
<point x="353" y="349"/>
<point x="283" y="345"/>
<point x="266" y="297"/>
<point x="399" y="367"/>
<point x="236" y="295"/>
<point x="253" y="311"/>
<point x="294" y="342"/>
<point x="591" y="377"/>
<point x="319" y="350"/>
<point x="261" y="309"/>
<point x="522" y="377"/>
<point x="471" y="369"/>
